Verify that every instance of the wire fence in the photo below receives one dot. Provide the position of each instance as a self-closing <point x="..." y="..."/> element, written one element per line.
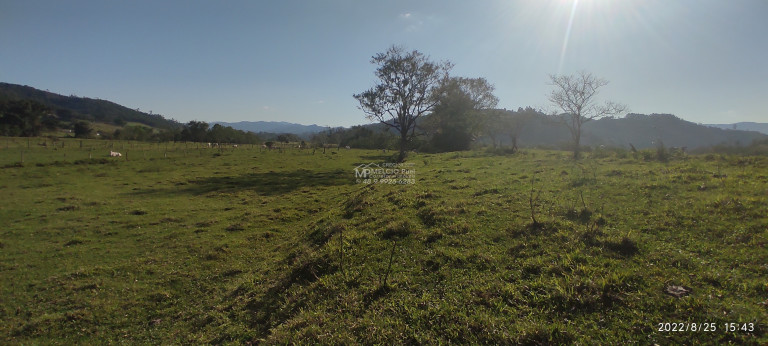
<point x="44" y="150"/>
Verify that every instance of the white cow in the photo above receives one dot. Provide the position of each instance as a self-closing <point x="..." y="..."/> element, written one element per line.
<point x="115" y="154"/>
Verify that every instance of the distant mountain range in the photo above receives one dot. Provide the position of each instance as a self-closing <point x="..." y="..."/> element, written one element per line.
<point x="744" y="126"/>
<point x="274" y="127"/>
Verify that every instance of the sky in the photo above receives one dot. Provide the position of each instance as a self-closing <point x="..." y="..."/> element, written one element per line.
<point x="705" y="61"/>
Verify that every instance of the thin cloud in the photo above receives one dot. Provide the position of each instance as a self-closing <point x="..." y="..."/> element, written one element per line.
<point x="412" y="21"/>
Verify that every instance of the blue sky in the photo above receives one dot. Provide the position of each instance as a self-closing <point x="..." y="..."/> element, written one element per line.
<point x="301" y="61"/>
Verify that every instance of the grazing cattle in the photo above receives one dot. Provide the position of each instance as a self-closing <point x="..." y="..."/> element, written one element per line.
<point x="115" y="154"/>
<point x="234" y="145"/>
<point x="348" y="147"/>
<point x="264" y="146"/>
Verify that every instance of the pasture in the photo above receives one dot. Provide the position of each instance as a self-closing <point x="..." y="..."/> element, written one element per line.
<point x="188" y="244"/>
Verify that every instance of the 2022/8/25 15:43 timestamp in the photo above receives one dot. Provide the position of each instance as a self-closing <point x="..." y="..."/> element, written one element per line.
<point x="731" y="327"/>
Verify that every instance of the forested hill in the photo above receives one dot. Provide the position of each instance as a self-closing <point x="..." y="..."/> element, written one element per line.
<point x="69" y="108"/>
<point x="645" y="130"/>
<point x="639" y="130"/>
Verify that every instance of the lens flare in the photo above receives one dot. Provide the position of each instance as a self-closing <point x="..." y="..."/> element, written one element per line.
<point x="567" y="36"/>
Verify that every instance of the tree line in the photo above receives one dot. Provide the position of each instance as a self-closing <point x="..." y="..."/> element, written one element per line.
<point x="193" y="131"/>
<point x="415" y="93"/>
<point x="29" y="118"/>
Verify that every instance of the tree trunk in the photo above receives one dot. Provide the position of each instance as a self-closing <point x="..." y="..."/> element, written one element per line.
<point x="403" y="149"/>
<point x="577" y="146"/>
<point x="577" y="140"/>
<point x="514" y="143"/>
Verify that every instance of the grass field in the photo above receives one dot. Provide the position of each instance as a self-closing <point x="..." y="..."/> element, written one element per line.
<point x="181" y="244"/>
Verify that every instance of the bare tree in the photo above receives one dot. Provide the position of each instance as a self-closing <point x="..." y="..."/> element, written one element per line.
<point x="407" y="81"/>
<point x="574" y="95"/>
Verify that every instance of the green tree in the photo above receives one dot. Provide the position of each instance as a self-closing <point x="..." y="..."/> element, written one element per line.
<point x="404" y="92"/>
<point x="219" y="134"/>
<point x="25" y="118"/>
<point x="287" y="138"/>
<point x="119" y="121"/>
<point x="364" y="137"/>
<point x="457" y="119"/>
<point x="82" y="129"/>
<point x="50" y="122"/>
<point x="575" y="96"/>
<point x="494" y="125"/>
<point x="197" y="131"/>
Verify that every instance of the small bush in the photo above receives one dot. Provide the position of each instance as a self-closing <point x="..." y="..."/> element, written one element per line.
<point x="235" y="227"/>
<point x="430" y="217"/>
<point x="67" y="208"/>
<point x="626" y="247"/>
<point x="397" y="229"/>
<point x="73" y="242"/>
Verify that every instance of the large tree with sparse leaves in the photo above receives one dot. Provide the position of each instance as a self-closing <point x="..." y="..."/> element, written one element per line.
<point x="404" y="92"/>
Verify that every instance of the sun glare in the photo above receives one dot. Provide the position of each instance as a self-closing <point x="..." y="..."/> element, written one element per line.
<point x="596" y="22"/>
<point x="575" y="3"/>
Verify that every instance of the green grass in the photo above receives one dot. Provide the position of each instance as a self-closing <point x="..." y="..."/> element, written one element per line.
<point x="186" y="245"/>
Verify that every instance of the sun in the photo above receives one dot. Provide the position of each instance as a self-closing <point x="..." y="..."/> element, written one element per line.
<point x="597" y="18"/>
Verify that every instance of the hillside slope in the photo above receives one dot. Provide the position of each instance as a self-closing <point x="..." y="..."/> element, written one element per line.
<point x="646" y="130"/>
<point x="744" y="126"/>
<point x="640" y="130"/>
<point x="70" y="108"/>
